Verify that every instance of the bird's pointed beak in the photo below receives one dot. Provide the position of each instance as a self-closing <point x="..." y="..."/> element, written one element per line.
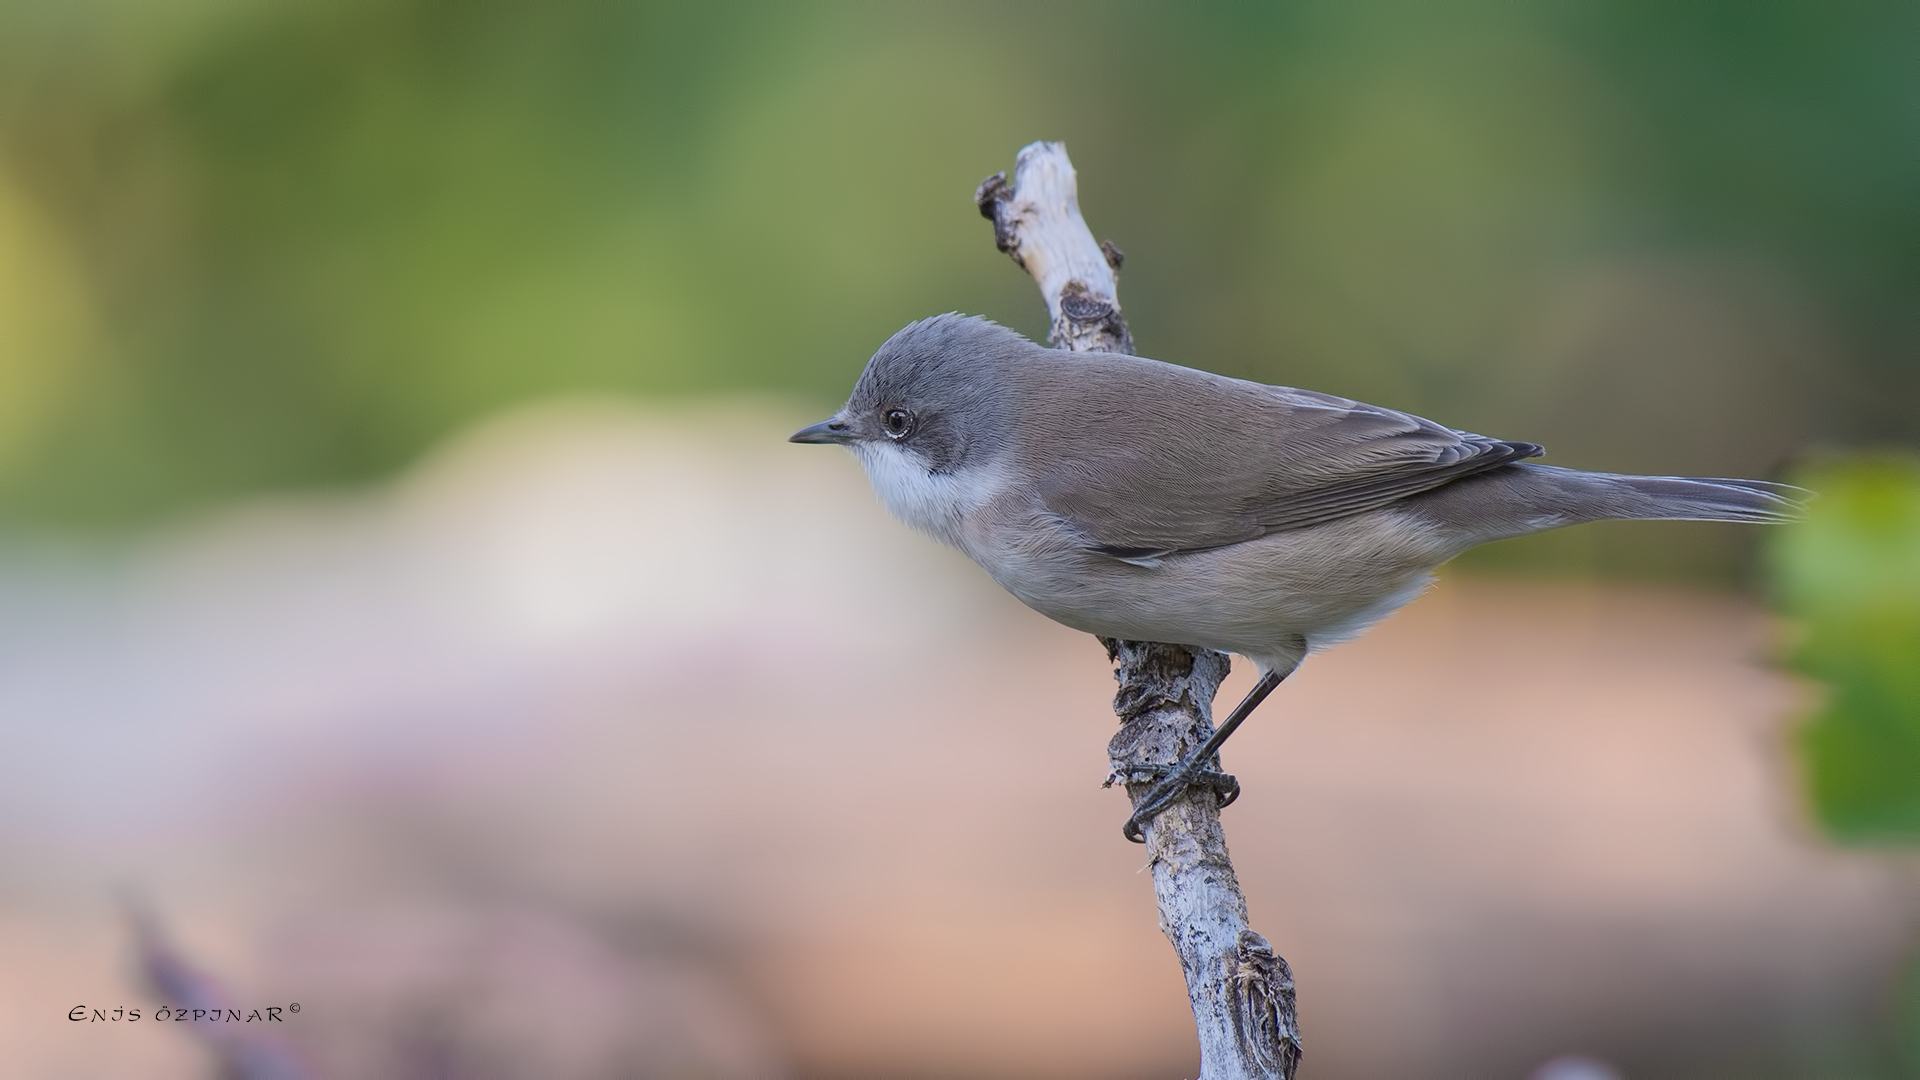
<point x="832" y="430"/>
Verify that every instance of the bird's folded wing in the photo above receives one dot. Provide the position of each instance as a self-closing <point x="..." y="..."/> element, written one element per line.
<point x="1220" y="461"/>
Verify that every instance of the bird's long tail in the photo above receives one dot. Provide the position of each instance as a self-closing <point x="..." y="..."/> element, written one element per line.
<point x="1679" y="498"/>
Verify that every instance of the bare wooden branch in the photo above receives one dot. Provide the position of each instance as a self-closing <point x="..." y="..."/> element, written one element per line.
<point x="1036" y="220"/>
<point x="1241" y="990"/>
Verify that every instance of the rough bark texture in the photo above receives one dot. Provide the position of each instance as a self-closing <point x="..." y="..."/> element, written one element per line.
<point x="1242" y="992"/>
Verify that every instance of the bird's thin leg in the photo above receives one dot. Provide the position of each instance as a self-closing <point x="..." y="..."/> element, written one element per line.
<point x="1176" y="782"/>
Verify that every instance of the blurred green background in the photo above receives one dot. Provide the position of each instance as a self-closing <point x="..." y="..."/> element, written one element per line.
<point x="250" y="245"/>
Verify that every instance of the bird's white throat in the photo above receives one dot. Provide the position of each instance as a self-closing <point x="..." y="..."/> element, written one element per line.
<point x="934" y="503"/>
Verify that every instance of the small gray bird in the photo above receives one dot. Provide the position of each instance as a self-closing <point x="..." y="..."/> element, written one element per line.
<point x="1140" y="500"/>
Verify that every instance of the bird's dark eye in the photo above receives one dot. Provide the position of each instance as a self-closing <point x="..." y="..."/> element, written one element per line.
<point x="898" y="422"/>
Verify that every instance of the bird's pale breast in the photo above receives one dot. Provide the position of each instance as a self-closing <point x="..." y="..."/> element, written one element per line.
<point x="1259" y="598"/>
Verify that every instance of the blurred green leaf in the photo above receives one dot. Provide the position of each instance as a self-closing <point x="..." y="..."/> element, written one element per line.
<point x="1850" y="577"/>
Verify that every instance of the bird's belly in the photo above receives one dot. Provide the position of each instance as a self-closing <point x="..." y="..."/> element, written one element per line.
<point x="1259" y="598"/>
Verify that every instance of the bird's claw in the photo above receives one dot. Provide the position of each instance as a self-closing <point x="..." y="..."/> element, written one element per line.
<point x="1174" y="783"/>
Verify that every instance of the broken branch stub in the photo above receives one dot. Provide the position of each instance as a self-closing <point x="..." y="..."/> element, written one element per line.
<point x="1240" y="989"/>
<point x="1036" y="220"/>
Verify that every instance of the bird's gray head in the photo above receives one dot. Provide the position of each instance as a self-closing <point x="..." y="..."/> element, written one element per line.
<point x="930" y="415"/>
<point x="936" y="391"/>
